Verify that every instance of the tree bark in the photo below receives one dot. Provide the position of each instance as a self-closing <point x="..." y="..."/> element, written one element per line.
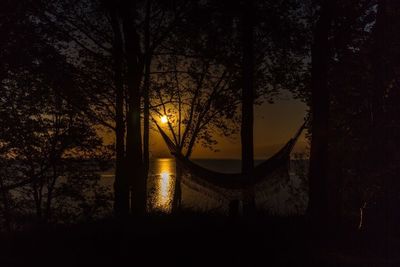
<point x="121" y="185"/>
<point x="50" y="189"/>
<point x="247" y="103"/>
<point x="318" y="206"/>
<point x="380" y="70"/>
<point x="177" y="198"/>
<point x="384" y="135"/>
<point x="146" y="91"/>
<point x="134" y="156"/>
<point x="6" y="205"/>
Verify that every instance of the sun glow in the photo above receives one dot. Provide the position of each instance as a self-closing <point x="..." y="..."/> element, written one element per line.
<point x="164" y="119"/>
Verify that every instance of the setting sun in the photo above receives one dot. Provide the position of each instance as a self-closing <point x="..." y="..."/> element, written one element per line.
<point x="164" y="119"/>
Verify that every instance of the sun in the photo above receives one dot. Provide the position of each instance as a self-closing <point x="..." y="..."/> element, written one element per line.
<point x="164" y="119"/>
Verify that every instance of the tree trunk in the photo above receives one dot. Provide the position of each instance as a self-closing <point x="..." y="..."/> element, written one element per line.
<point x="384" y="157"/>
<point x="247" y="103"/>
<point x="146" y="91"/>
<point x="381" y="71"/>
<point x="318" y="206"/>
<point x="134" y="157"/>
<point x="6" y="206"/>
<point x="38" y="202"/>
<point x="121" y="185"/>
<point x="50" y="189"/>
<point x="177" y="198"/>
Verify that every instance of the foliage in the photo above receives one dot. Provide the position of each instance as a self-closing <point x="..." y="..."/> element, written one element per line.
<point x="198" y="98"/>
<point x="206" y="50"/>
<point x="44" y="140"/>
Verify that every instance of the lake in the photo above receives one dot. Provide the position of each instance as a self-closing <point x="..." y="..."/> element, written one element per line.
<point x="161" y="184"/>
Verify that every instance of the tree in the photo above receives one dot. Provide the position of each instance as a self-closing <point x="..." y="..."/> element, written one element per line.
<point x="213" y="33"/>
<point x="88" y="33"/>
<point x="362" y="77"/>
<point x="197" y="96"/>
<point x="134" y="60"/>
<point x="43" y="137"/>
<point x="318" y="208"/>
<point x="357" y="144"/>
<point x="94" y="31"/>
<point x="248" y="97"/>
<point x="45" y="144"/>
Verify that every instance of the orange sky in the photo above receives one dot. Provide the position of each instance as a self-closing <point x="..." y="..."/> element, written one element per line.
<point x="274" y="124"/>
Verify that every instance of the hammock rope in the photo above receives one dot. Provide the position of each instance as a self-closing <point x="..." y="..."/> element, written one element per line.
<point x="272" y="167"/>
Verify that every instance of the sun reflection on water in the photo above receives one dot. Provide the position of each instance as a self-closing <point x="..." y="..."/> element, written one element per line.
<point x="164" y="185"/>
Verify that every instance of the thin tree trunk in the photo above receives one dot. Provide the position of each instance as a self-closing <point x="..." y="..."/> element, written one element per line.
<point x="121" y="185"/>
<point x="38" y="203"/>
<point x="146" y="91"/>
<point x="247" y="103"/>
<point x="177" y="198"/>
<point x="318" y="207"/>
<point x="50" y="190"/>
<point x="6" y="206"/>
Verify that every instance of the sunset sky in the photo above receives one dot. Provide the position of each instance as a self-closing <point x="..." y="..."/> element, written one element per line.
<point x="274" y="124"/>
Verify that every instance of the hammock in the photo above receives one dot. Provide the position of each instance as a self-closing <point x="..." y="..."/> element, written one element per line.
<point x="272" y="167"/>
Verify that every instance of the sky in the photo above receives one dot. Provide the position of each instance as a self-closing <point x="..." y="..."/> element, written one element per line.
<point x="274" y="125"/>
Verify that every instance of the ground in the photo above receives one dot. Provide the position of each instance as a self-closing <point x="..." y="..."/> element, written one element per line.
<point x="194" y="240"/>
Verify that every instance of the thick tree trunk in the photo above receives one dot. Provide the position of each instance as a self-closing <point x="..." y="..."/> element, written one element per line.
<point x="134" y="156"/>
<point x="384" y="135"/>
<point x="318" y="207"/>
<point x="380" y="67"/>
<point x="247" y="103"/>
<point x="121" y="184"/>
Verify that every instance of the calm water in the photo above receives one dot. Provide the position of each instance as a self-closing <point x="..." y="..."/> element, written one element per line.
<point x="161" y="184"/>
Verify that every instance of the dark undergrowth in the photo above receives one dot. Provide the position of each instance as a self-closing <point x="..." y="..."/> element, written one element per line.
<point x="191" y="239"/>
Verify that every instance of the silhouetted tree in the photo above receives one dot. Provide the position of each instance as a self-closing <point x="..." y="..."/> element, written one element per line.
<point x="135" y="64"/>
<point x="197" y="96"/>
<point x="349" y="106"/>
<point x="91" y="34"/>
<point x="248" y="92"/>
<point x="361" y="135"/>
<point x="278" y="62"/>
<point x="364" y="132"/>
<point x="44" y="141"/>
<point x="318" y="208"/>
